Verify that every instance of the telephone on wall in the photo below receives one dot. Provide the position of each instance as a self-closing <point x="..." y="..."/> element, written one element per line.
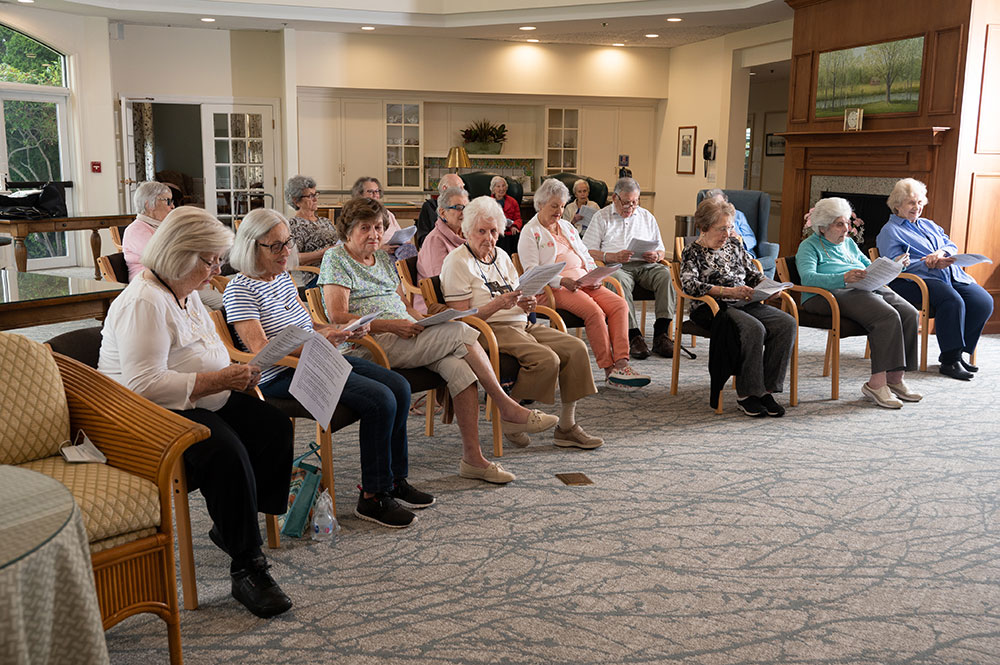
<point x="708" y="153"/>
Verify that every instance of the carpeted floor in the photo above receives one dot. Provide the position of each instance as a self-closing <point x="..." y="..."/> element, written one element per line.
<point x="842" y="533"/>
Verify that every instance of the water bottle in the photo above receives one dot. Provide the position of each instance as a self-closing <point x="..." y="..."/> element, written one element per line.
<point x="324" y="523"/>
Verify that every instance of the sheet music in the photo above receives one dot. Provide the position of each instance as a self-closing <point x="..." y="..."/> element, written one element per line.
<point x="319" y="378"/>
<point x="882" y="271"/>
<point x="357" y="323"/>
<point x="639" y="247"/>
<point x="767" y="288"/>
<point x="445" y="316"/>
<point x="534" y="280"/>
<point x="402" y="236"/>
<point x="586" y="213"/>
<point x="597" y="274"/>
<point x="966" y="260"/>
<point x="281" y="345"/>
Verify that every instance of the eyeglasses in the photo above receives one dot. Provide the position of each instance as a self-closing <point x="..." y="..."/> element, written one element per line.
<point x="627" y="204"/>
<point x="212" y="265"/>
<point x="312" y="196"/>
<point x="277" y="247"/>
<point x="458" y="207"/>
<point x="373" y="192"/>
<point x="168" y="200"/>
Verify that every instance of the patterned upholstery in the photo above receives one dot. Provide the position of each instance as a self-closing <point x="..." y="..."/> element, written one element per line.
<point x="36" y="432"/>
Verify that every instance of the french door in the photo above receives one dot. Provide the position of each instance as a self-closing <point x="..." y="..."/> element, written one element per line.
<point x="238" y="152"/>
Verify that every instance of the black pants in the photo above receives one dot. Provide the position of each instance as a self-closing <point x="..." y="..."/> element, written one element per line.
<point x="243" y="468"/>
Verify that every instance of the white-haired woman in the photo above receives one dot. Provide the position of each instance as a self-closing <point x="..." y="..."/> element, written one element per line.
<point x="548" y="238"/>
<point x="369" y="187"/>
<point x="581" y="199"/>
<point x="358" y="279"/>
<point x="480" y="274"/>
<point x="153" y="201"/>
<point x="961" y="306"/>
<point x="511" y="212"/>
<point x="159" y="341"/>
<point x="830" y="260"/>
<point x="261" y="301"/>
<point x="313" y="234"/>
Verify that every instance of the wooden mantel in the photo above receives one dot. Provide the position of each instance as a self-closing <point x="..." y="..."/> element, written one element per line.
<point x="869" y="138"/>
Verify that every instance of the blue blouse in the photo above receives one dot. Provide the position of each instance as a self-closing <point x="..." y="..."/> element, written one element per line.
<point x="922" y="237"/>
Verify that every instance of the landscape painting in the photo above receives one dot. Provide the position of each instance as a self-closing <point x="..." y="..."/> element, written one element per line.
<point x="880" y="78"/>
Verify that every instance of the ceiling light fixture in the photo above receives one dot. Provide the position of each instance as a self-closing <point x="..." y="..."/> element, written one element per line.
<point x="674" y="19"/>
<point x="208" y="20"/>
<point x="618" y="44"/>
<point x="532" y="41"/>
<point x="27" y="2"/>
<point x="527" y="27"/>
<point x="652" y="35"/>
<point x="753" y="73"/>
<point x="368" y="27"/>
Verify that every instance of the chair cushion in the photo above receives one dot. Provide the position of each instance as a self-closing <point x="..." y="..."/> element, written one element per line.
<point x="32" y="401"/>
<point x="83" y="345"/>
<point x="113" y="502"/>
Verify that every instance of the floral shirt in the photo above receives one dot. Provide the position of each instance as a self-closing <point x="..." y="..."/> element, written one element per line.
<point x="730" y="265"/>
<point x="311" y="236"/>
<point x="373" y="288"/>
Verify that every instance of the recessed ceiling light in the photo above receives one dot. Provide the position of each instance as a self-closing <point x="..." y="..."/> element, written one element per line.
<point x="527" y="27"/>
<point x="674" y="19"/>
<point x="533" y="41"/>
<point x="618" y="44"/>
<point x="208" y="20"/>
<point x="753" y="73"/>
<point x="368" y="27"/>
<point x="27" y="2"/>
<point x="652" y="35"/>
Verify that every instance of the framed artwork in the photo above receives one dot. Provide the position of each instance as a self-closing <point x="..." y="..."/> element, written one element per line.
<point x="774" y="145"/>
<point x="687" y="137"/>
<point x="853" y="118"/>
<point x="879" y="78"/>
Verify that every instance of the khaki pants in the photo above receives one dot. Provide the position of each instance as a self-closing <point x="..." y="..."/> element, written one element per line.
<point x="546" y="355"/>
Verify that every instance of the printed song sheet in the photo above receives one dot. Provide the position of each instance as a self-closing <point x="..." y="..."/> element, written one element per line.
<point x="281" y="345"/>
<point x="357" y="323"/>
<point x="767" y="288"/>
<point x="445" y="316"/>
<point x="533" y="281"/>
<point x="319" y="378"/>
<point x="880" y="272"/>
<point x="639" y="247"/>
<point x="402" y="236"/>
<point x="966" y="260"/>
<point x="597" y="274"/>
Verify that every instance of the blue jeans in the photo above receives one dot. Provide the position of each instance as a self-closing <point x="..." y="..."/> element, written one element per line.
<point x="381" y="399"/>
<point x="960" y="313"/>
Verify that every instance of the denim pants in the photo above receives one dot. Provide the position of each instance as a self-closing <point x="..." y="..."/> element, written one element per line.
<point x="381" y="399"/>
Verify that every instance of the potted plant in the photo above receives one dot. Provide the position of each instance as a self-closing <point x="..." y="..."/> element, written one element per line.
<point x="484" y="138"/>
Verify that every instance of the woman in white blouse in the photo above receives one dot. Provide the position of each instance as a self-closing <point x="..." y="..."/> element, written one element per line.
<point x="160" y="342"/>
<point x="581" y="199"/>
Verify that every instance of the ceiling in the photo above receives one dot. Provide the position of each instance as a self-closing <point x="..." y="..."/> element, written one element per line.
<point x="590" y="22"/>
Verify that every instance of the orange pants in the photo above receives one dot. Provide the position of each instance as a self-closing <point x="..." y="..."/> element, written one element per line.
<point x="605" y="317"/>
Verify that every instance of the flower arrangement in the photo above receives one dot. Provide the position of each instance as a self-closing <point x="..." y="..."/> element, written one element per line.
<point x="484" y="131"/>
<point x="855" y="230"/>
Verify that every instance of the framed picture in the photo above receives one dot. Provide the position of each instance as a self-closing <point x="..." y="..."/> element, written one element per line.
<point x="687" y="137"/>
<point x="853" y="118"/>
<point x="774" y="145"/>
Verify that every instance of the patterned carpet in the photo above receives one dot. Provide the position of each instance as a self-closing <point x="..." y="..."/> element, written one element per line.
<point x="841" y="533"/>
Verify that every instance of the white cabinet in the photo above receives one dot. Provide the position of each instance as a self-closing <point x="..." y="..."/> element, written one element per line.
<point x="403" y="145"/>
<point x="562" y="140"/>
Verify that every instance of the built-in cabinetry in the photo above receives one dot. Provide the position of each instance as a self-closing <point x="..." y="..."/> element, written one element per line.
<point x="562" y="140"/>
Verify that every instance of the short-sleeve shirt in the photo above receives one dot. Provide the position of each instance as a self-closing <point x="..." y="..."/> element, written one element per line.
<point x="275" y="304"/>
<point x="464" y="277"/>
<point x="373" y="288"/>
<point x="311" y="236"/>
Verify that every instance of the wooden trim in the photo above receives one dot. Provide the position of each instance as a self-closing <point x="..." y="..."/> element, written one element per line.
<point x="936" y="71"/>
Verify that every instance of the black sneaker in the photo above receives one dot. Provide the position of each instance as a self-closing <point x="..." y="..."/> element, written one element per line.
<point x="409" y="496"/>
<point x="751" y="406"/>
<point x="256" y="589"/>
<point x="385" y="510"/>
<point x="773" y="409"/>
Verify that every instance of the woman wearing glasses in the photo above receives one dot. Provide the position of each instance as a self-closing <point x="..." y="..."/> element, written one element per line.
<point x="447" y="233"/>
<point x="261" y="301"/>
<point x="370" y="188"/>
<point x="313" y="234"/>
<point x="153" y="201"/>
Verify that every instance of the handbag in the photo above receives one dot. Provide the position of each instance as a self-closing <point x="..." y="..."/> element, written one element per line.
<point x="302" y="492"/>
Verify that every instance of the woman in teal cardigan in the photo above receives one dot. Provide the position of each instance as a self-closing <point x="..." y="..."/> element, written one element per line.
<point x="830" y="260"/>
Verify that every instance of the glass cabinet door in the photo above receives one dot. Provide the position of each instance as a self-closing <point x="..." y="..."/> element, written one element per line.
<point x="403" y="149"/>
<point x="562" y="131"/>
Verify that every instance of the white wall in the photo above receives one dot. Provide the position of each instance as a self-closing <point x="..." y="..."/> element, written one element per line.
<point x="183" y="62"/>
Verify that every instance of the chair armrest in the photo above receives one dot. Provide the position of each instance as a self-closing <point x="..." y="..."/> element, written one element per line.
<point x="553" y="317"/>
<point x="789" y="306"/>
<point x="675" y="278"/>
<point x="550" y="296"/>
<point x="922" y="285"/>
<point x="615" y="285"/>
<point x="314" y="300"/>
<point x="311" y="269"/>
<point x="492" y="346"/>
<point x="219" y="282"/>
<point x="378" y="353"/>
<point x="409" y="288"/>
<point x="830" y="300"/>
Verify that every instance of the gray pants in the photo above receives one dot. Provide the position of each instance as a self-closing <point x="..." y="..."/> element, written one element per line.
<point x="767" y="336"/>
<point x="652" y="276"/>
<point x="891" y="323"/>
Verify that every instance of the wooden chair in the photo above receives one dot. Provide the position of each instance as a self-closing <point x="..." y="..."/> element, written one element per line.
<point x="113" y="268"/>
<point x="420" y="378"/>
<point x="132" y="551"/>
<point x="837" y="327"/>
<point x="925" y="310"/>
<point x="116" y="236"/>
<point x="692" y="328"/>
<point x="640" y="295"/>
<point x="407" y="269"/>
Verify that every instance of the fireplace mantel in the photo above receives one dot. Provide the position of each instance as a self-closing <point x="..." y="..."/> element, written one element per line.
<point x="868" y="138"/>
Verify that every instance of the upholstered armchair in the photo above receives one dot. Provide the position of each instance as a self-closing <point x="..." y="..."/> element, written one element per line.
<point x="477" y="183"/>
<point x="757" y="208"/>
<point x="598" y="188"/>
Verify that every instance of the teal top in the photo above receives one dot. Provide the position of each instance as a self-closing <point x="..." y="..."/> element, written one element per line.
<point x="822" y="263"/>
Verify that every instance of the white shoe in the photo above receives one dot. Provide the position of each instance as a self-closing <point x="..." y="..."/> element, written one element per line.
<point x="883" y="397"/>
<point x="903" y="392"/>
<point x="626" y="378"/>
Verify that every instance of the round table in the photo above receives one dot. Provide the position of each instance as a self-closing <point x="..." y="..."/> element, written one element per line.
<point x="48" y="606"/>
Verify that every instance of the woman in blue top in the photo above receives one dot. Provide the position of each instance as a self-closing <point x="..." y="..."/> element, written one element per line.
<point x="260" y="302"/>
<point x="830" y="260"/>
<point x="961" y="307"/>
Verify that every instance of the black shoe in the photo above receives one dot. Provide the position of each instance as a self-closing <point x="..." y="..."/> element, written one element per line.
<point x="256" y="589"/>
<point x="637" y="348"/>
<point x="216" y="538"/>
<point x="955" y="371"/>
<point x="663" y="345"/>
<point x="773" y="409"/>
<point x="751" y="406"/>
<point x="968" y="367"/>
<point x="385" y="510"/>
<point x="409" y="496"/>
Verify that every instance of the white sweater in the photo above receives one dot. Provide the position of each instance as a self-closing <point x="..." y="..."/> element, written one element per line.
<point x="537" y="246"/>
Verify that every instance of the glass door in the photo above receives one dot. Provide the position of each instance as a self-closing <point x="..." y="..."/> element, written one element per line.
<point x="238" y="151"/>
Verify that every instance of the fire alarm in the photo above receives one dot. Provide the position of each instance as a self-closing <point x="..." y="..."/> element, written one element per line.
<point x="95" y="167"/>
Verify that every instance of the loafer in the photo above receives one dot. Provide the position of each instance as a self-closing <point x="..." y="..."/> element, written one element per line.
<point x="882" y="397"/>
<point x="903" y="392"/>
<point x="494" y="473"/>
<point x="519" y="439"/>
<point x="254" y="587"/>
<point x="637" y="348"/>
<point x="575" y="437"/>
<point x="955" y="371"/>
<point x="663" y="346"/>
<point x="538" y="421"/>
<point x="968" y="367"/>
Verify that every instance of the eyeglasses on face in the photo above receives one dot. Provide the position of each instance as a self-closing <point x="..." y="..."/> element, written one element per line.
<point x="312" y="196"/>
<point x="212" y="265"/>
<point x="459" y="207"/>
<point x="277" y="247"/>
<point x="627" y="204"/>
<point x="373" y="192"/>
<point x="165" y="199"/>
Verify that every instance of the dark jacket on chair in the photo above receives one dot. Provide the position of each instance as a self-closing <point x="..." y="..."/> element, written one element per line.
<point x="724" y="352"/>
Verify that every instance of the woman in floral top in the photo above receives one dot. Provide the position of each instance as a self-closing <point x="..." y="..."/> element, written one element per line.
<point x="716" y="264"/>
<point x="358" y="278"/>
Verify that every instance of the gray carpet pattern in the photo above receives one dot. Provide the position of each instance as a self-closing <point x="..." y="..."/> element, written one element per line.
<point x="841" y="533"/>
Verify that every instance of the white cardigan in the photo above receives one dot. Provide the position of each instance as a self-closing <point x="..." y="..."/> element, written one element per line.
<point x="536" y="246"/>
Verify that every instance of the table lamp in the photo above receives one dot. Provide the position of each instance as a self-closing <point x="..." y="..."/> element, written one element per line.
<point x="458" y="158"/>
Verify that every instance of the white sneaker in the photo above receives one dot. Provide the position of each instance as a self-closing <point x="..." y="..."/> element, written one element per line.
<point x="903" y="392"/>
<point x="626" y="378"/>
<point x="882" y="397"/>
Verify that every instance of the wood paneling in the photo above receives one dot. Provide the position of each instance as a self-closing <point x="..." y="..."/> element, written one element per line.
<point x="988" y="127"/>
<point x="984" y="219"/>
<point x="942" y="83"/>
<point x="800" y="87"/>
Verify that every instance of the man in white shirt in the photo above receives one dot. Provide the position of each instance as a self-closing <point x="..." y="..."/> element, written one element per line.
<point x="608" y="237"/>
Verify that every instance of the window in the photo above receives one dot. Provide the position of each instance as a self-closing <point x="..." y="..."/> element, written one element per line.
<point x="25" y="60"/>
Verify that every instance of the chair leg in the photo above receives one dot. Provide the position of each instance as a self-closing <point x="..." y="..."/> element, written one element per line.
<point x="676" y="364"/>
<point x="835" y="379"/>
<point x="174" y="642"/>
<point x="431" y="404"/>
<point x="868" y="350"/>
<point x="643" y="317"/>
<point x="718" y="409"/>
<point x="497" y="432"/>
<point x="273" y="533"/>
<point x="793" y="399"/>
<point x="829" y="351"/>
<point x="325" y="439"/>
<point x="924" y="330"/>
<point x="972" y="357"/>
<point x="182" y="517"/>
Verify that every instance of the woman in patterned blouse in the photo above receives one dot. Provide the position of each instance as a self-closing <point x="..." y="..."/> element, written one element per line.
<point x="716" y="264"/>
<point x="313" y="235"/>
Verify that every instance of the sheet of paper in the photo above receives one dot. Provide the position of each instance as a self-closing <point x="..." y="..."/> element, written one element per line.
<point x="767" y="288"/>
<point x="402" y="236"/>
<point x="586" y="213"/>
<point x="533" y="281"/>
<point x="281" y="345"/>
<point x="597" y="274"/>
<point x="357" y="323"/>
<point x="966" y="260"/>
<point x="639" y="247"/>
<point x="446" y="316"/>
<point x="880" y="272"/>
<point x="319" y="378"/>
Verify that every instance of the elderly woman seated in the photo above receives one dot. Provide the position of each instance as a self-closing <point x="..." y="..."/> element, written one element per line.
<point x="830" y="260"/>
<point x="369" y="187"/>
<point x="961" y="306"/>
<point x="717" y="264"/>
<point x="154" y="201"/>
<point x="480" y="274"/>
<point x="548" y="238"/>
<point x="159" y="341"/>
<point x="313" y="234"/>
<point x="261" y="301"/>
<point x="358" y="279"/>
<point x="581" y="194"/>
<point x="511" y="213"/>
<point x="447" y="233"/>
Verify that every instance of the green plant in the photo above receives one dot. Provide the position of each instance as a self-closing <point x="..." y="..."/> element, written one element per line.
<point x="484" y="131"/>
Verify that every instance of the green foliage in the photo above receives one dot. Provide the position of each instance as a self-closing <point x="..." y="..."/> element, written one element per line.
<point x="24" y="60"/>
<point x="484" y="131"/>
<point x="881" y="78"/>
